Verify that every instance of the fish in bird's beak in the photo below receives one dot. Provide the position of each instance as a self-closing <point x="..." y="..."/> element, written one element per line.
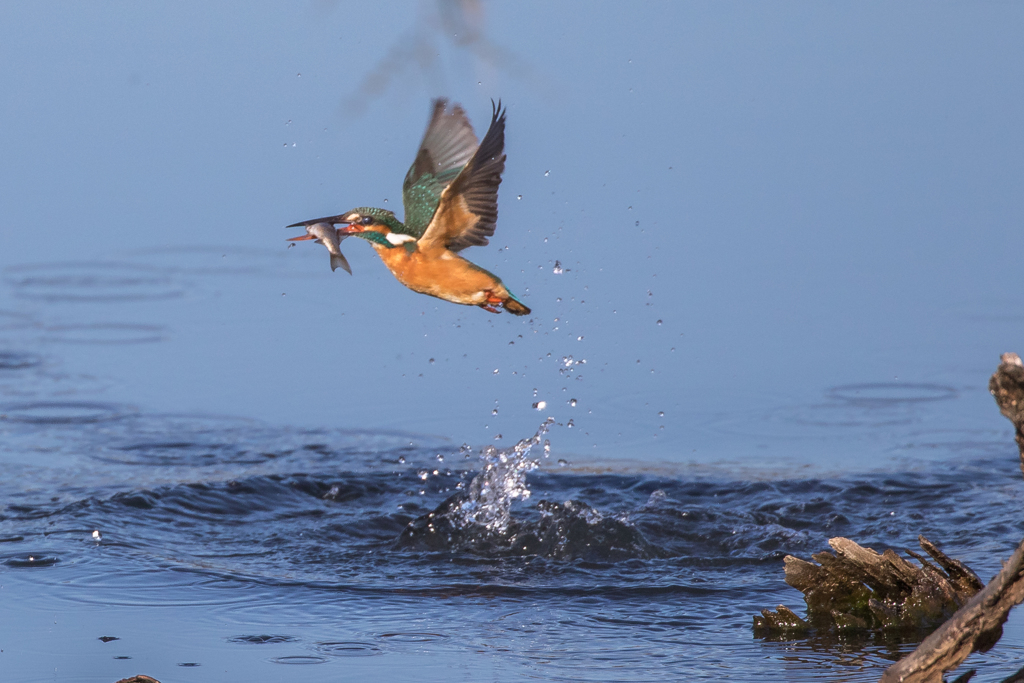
<point x="327" y="235"/>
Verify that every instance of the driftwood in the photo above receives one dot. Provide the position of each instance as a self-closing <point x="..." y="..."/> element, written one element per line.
<point x="975" y="628"/>
<point x="1007" y="386"/>
<point x="859" y="589"/>
<point x="141" y="678"/>
<point x="979" y="624"/>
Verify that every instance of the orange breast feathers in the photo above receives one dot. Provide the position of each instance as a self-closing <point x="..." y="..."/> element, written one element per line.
<point x="440" y="273"/>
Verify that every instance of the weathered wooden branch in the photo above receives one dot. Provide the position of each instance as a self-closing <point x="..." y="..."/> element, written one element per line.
<point x="141" y="678"/>
<point x="979" y="624"/>
<point x="976" y="627"/>
<point x="1007" y="386"/>
<point x="859" y="589"/>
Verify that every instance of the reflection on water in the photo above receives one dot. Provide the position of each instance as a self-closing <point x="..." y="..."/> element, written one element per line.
<point x="91" y="282"/>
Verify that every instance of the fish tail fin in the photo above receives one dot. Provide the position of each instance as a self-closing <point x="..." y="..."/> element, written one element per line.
<point x="339" y="261"/>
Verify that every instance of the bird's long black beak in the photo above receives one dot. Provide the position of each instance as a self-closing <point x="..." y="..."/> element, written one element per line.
<point x="333" y="220"/>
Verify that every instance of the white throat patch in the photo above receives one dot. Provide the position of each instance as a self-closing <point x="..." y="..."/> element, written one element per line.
<point x="397" y="238"/>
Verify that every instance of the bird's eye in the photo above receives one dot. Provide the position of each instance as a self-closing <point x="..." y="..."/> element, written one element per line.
<point x="366" y="220"/>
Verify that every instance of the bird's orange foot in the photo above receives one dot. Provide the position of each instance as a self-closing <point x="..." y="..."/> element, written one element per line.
<point x="490" y="308"/>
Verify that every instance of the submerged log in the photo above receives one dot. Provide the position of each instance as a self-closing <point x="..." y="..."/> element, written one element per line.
<point x="1007" y="386"/>
<point x="979" y="624"/>
<point x="859" y="589"/>
<point x="976" y="627"/>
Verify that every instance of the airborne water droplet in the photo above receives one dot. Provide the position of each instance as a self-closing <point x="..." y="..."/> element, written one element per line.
<point x="659" y="322"/>
<point x="661" y="413"/>
<point x="519" y="197"/>
<point x="401" y="460"/>
<point x="557" y="270"/>
<point x="546" y="173"/>
<point x="572" y="402"/>
<point x="540" y="405"/>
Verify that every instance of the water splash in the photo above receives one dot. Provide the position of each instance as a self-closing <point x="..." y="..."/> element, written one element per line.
<point x="478" y="519"/>
<point x="501" y="480"/>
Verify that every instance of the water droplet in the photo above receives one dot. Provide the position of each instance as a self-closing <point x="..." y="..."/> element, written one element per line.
<point x="562" y="463"/>
<point x="535" y="390"/>
<point x="498" y="437"/>
<point x="495" y="371"/>
<point x="401" y="460"/>
<point x="96" y="535"/>
<point x="579" y="338"/>
<point x="494" y="412"/>
<point x="557" y="270"/>
<point x="570" y="424"/>
<point x="431" y="361"/>
<point x="637" y="224"/>
<point x="546" y="173"/>
<point x="547" y="448"/>
<point x="572" y="402"/>
<point x="519" y="197"/>
<point x="423" y="474"/>
<point x="659" y="321"/>
<point x="288" y="122"/>
<point x="661" y="413"/>
<point x="440" y="458"/>
<point x="540" y="405"/>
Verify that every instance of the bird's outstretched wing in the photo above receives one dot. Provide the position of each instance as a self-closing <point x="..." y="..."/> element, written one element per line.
<point x="447" y="147"/>
<point x="468" y="210"/>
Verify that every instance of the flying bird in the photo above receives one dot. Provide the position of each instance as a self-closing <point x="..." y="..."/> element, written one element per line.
<point x="450" y="196"/>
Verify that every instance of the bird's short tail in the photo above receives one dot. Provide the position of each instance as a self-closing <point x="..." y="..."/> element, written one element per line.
<point x="515" y="306"/>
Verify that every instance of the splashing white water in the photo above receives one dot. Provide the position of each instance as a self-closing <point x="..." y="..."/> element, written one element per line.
<point x="501" y="480"/>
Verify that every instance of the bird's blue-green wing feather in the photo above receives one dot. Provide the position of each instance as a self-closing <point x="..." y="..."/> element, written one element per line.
<point x="448" y="145"/>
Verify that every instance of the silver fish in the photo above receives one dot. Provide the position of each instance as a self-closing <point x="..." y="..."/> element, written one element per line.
<point x="327" y="235"/>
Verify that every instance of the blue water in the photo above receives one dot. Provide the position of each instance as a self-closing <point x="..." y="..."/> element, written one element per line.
<point x="769" y="255"/>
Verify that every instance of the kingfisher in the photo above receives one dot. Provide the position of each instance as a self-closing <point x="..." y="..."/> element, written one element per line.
<point x="450" y="195"/>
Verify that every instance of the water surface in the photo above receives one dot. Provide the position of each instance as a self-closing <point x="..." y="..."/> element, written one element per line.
<point x="767" y="253"/>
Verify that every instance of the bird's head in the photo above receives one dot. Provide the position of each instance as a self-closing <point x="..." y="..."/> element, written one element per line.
<point x="375" y="225"/>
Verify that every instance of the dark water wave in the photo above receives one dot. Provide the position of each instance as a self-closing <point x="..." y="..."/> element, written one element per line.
<point x="578" y="531"/>
<point x="310" y="546"/>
